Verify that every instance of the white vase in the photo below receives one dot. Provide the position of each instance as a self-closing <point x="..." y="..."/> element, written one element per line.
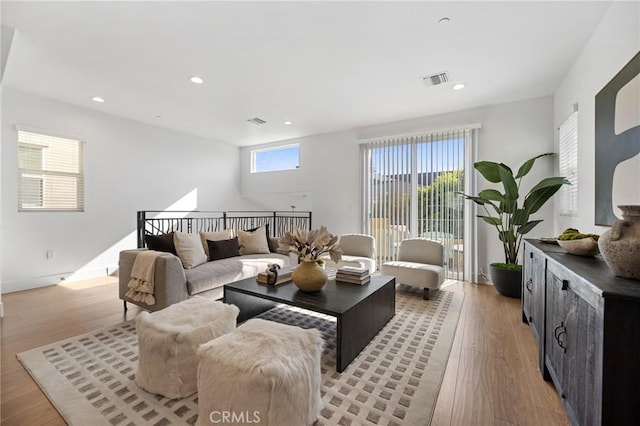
<point x="620" y="245"/>
<point x="309" y="276"/>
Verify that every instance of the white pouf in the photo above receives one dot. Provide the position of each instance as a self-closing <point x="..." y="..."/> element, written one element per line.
<point x="168" y="340"/>
<point x="264" y="373"/>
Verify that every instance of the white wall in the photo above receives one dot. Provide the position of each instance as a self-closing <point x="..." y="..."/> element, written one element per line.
<point x="329" y="165"/>
<point x="128" y="167"/>
<point x="615" y="41"/>
<point x="1" y="304"/>
<point x="327" y="182"/>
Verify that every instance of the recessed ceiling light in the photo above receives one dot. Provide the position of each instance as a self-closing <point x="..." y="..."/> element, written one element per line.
<point x="287" y="123"/>
<point x="459" y="86"/>
<point x="197" y="80"/>
<point x="97" y="99"/>
<point x="443" y="20"/>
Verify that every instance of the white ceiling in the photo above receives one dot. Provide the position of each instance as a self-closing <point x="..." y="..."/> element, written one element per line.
<point x="326" y="66"/>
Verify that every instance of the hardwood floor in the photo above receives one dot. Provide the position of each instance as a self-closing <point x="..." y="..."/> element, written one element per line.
<point x="492" y="377"/>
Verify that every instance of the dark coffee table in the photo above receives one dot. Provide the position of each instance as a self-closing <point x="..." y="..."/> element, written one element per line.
<point x="361" y="310"/>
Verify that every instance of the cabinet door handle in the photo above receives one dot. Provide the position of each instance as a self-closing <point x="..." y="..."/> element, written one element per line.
<point x="557" y="330"/>
<point x="565" y="285"/>
<point x="529" y="285"/>
<point x="557" y="333"/>
<point x="560" y="341"/>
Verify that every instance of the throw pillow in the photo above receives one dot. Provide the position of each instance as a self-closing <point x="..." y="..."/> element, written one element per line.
<point x="223" y="249"/>
<point x="189" y="249"/>
<point x="254" y="242"/>
<point x="213" y="236"/>
<point x="163" y="242"/>
<point x="274" y="245"/>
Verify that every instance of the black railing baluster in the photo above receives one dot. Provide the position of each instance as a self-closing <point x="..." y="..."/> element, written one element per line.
<point x="200" y="221"/>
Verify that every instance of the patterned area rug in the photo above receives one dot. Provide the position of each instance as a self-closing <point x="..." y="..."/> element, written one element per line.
<point x="394" y="381"/>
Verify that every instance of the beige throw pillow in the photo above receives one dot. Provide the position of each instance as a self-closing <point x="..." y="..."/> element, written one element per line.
<point x="189" y="249"/>
<point x="213" y="236"/>
<point x="254" y="242"/>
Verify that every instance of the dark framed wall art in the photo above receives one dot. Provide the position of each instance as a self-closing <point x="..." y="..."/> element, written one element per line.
<point x="617" y="139"/>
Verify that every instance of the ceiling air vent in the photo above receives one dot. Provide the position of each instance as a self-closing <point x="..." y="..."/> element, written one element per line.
<point x="256" y="120"/>
<point x="435" y="79"/>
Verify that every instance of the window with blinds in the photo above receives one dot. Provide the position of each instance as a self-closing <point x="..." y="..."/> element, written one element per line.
<point x="50" y="173"/>
<point x="568" y="158"/>
<point x="412" y="187"/>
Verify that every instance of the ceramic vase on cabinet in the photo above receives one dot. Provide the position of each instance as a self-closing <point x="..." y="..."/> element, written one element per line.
<point x="309" y="276"/>
<point x="620" y="245"/>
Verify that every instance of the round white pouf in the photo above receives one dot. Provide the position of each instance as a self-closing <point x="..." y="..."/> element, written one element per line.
<point x="168" y="340"/>
<point x="264" y="373"/>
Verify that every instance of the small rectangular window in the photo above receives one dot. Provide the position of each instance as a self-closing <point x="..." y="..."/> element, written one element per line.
<point x="568" y="158"/>
<point x="275" y="159"/>
<point x="50" y="173"/>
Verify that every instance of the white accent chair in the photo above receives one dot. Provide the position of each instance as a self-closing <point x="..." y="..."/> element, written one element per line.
<point x="420" y="264"/>
<point x="358" y="250"/>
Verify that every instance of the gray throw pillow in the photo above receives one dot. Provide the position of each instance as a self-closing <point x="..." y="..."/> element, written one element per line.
<point x="189" y="249"/>
<point x="254" y="242"/>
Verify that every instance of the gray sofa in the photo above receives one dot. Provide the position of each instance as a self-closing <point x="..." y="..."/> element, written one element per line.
<point x="173" y="283"/>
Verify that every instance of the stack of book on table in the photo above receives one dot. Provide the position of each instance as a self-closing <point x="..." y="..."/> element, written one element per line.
<point x="284" y="275"/>
<point x="353" y="275"/>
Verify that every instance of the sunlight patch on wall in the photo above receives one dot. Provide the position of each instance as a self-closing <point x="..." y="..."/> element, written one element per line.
<point x="185" y="204"/>
<point x="106" y="263"/>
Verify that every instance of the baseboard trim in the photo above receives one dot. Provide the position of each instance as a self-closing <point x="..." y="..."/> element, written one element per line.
<point x="54" y="279"/>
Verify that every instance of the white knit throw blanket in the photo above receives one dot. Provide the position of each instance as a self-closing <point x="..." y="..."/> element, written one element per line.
<point x="141" y="288"/>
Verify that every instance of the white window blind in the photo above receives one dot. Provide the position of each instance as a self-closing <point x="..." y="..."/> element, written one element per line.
<point x="411" y="189"/>
<point x="50" y="173"/>
<point x="568" y="202"/>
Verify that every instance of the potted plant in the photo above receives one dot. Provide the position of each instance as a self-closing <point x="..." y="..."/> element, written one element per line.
<point x="511" y="219"/>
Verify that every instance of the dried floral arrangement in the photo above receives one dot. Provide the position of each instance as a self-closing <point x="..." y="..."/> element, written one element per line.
<point x="310" y="245"/>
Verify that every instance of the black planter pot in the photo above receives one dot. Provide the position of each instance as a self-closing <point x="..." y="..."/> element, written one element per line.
<point x="507" y="282"/>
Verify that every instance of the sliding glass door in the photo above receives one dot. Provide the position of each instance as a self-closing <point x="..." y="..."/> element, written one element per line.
<point x="411" y="189"/>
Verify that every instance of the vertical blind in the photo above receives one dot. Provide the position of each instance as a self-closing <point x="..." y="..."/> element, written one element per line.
<point x="50" y="173"/>
<point x="411" y="189"/>
<point x="568" y="159"/>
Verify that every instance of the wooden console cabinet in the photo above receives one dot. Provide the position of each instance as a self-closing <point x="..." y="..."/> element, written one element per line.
<point x="586" y="322"/>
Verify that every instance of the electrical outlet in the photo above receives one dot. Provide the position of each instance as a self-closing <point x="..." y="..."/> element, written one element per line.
<point x="51" y="254"/>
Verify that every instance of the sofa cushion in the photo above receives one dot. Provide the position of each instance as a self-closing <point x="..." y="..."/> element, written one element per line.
<point x="162" y="242"/>
<point x="223" y="249"/>
<point x="414" y="274"/>
<point x="189" y="249"/>
<point x="253" y="242"/>
<point x="219" y="272"/>
<point x="253" y="264"/>
<point x="213" y="236"/>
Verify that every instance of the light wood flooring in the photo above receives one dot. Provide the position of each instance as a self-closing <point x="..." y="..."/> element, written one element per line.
<point x="492" y="377"/>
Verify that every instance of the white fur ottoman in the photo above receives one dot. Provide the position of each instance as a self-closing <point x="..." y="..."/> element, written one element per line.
<point x="264" y="373"/>
<point x="168" y="340"/>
